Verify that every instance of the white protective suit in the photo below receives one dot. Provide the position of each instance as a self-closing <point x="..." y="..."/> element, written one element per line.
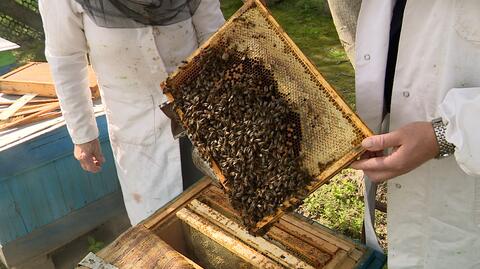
<point x="433" y="211"/>
<point x="130" y="64"/>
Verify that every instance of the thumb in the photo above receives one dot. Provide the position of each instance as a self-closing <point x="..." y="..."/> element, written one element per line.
<point x="97" y="153"/>
<point x="99" y="156"/>
<point x="381" y="142"/>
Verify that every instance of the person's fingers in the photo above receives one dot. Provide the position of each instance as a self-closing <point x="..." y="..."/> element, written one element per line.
<point x="89" y="155"/>
<point x="370" y="154"/>
<point x="87" y="162"/>
<point x="365" y="155"/>
<point x="98" y="152"/>
<point x="369" y="164"/>
<point x="376" y="163"/>
<point x="98" y="156"/>
<point x="379" y="176"/>
<point x="386" y="167"/>
<point x="90" y="166"/>
<point x="381" y="142"/>
<point x="83" y="166"/>
<point x="95" y="169"/>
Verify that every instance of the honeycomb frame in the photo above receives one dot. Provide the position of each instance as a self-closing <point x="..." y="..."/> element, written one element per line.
<point x="331" y="132"/>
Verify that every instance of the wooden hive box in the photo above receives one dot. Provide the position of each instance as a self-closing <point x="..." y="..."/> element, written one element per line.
<point x="35" y="77"/>
<point x="46" y="199"/>
<point x="200" y="230"/>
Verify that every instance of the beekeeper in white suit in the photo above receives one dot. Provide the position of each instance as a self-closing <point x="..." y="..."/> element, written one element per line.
<point x="433" y="79"/>
<point x="132" y="46"/>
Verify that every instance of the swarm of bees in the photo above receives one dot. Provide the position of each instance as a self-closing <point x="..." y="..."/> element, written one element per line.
<point x="235" y="116"/>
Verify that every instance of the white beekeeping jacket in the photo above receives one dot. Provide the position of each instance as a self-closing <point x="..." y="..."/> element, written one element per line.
<point x="130" y="64"/>
<point x="434" y="211"/>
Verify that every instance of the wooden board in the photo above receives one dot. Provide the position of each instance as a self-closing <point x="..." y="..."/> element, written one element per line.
<point x="140" y="248"/>
<point x="35" y="77"/>
<point x="15" y="106"/>
<point x="297" y="225"/>
<point x="309" y="236"/>
<point x="26" y="110"/>
<point x="169" y="210"/>
<point x="308" y="252"/>
<point x="225" y="239"/>
<point x="37" y="116"/>
<point x="42" y="101"/>
<point x="260" y="244"/>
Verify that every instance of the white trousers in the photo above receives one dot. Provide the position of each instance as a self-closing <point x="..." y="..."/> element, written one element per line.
<point x="149" y="175"/>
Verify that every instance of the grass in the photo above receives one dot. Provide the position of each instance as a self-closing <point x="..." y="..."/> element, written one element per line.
<point x="338" y="205"/>
<point x="313" y="31"/>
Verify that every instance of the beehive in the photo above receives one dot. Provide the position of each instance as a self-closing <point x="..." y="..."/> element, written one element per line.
<point x="330" y="133"/>
<point x="200" y="230"/>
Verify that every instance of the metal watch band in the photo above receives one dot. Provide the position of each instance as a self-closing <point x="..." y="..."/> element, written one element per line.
<point x="445" y="148"/>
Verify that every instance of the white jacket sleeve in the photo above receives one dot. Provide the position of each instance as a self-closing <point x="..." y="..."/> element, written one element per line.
<point x="66" y="52"/>
<point x="208" y="18"/>
<point x="460" y="109"/>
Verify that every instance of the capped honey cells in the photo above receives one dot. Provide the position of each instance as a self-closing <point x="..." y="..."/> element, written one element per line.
<point x="235" y="116"/>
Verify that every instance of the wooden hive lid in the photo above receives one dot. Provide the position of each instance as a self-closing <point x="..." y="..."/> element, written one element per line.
<point x="36" y="77"/>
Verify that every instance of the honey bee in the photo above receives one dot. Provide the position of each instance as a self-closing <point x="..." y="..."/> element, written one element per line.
<point x="235" y="116"/>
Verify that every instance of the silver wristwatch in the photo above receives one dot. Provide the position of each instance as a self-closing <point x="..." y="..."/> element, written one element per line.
<point x="445" y="148"/>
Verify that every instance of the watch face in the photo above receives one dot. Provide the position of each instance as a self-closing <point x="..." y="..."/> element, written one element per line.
<point x="437" y="122"/>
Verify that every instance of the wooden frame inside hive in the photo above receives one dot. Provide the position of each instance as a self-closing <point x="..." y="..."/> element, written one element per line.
<point x="331" y="132"/>
<point x="199" y="229"/>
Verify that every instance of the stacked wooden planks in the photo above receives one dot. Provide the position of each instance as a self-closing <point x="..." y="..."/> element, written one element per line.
<point x="33" y="86"/>
<point x="26" y="110"/>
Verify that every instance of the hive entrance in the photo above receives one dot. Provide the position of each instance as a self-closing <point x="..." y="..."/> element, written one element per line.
<point x="272" y="128"/>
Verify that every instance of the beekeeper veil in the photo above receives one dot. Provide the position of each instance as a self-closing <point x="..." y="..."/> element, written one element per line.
<point x="138" y="13"/>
